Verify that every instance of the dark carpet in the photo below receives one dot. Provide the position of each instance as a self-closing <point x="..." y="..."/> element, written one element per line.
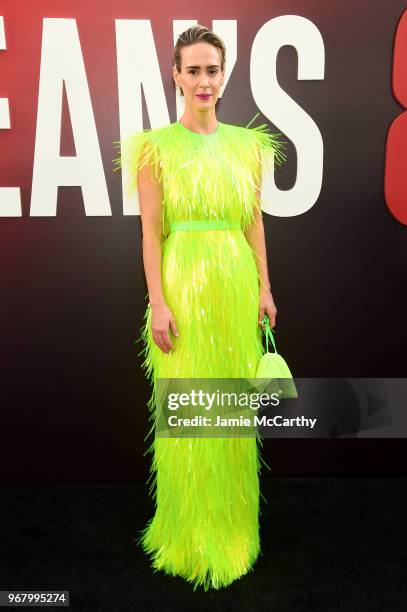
<point x="327" y="544"/>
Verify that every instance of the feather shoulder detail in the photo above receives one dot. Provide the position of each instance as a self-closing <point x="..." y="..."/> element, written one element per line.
<point x="136" y="150"/>
<point x="266" y="152"/>
<point x="269" y="147"/>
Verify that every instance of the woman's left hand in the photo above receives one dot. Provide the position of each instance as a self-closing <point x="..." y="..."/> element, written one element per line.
<point x="267" y="306"/>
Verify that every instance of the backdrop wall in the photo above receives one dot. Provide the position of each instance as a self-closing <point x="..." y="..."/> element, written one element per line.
<point x="328" y="75"/>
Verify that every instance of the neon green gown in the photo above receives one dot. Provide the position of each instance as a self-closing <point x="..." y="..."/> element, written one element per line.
<point x="206" y="490"/>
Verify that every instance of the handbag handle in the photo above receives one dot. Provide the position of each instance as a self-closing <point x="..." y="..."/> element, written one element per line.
<point x="269" y="333"/>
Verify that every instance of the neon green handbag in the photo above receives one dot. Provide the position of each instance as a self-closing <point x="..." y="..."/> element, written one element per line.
<point x="273" y="366"/>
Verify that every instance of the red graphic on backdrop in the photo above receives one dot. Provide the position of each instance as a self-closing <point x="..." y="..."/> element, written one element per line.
<point x="395" y="175"/>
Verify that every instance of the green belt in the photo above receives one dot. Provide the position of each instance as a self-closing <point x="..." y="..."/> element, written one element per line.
<point x="203" y="224"/>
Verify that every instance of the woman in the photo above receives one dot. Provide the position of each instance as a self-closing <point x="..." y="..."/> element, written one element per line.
<point x="205" y="263"/>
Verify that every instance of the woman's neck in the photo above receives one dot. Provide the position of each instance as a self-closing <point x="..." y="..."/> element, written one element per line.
<point x="202" y="123"/>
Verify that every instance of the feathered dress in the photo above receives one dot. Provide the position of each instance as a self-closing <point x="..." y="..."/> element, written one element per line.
<point x="206" y="490"/>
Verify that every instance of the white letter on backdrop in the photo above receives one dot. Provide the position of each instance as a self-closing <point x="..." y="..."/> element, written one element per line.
<point x="137" y="65"/>
<point x="10" y="198"/>
<point x="62" y="62"/>
<point x="285" y="113"/>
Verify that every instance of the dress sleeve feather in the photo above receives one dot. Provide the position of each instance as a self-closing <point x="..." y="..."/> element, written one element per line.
<point x="137" y="150"/>
<point x="268" y="152"/>
<point x="269" y="149"/>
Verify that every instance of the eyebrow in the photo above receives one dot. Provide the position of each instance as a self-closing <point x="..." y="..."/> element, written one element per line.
<point x="213" y="66"/>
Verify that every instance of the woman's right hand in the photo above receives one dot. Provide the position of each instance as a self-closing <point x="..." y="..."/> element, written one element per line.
<point x="161" y="321"/>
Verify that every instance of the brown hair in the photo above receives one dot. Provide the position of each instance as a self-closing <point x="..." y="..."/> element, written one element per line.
<point x="195" y="34"/>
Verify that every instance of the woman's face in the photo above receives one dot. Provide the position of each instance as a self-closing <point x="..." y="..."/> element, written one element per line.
<point x="200" y="74"/>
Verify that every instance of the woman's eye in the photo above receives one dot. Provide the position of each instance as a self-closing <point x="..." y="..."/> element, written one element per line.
<point x="211" y="71"/>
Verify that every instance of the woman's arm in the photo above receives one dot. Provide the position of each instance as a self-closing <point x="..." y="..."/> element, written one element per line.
<point x="150" y="199"/>
<point x="256" y="238"/>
